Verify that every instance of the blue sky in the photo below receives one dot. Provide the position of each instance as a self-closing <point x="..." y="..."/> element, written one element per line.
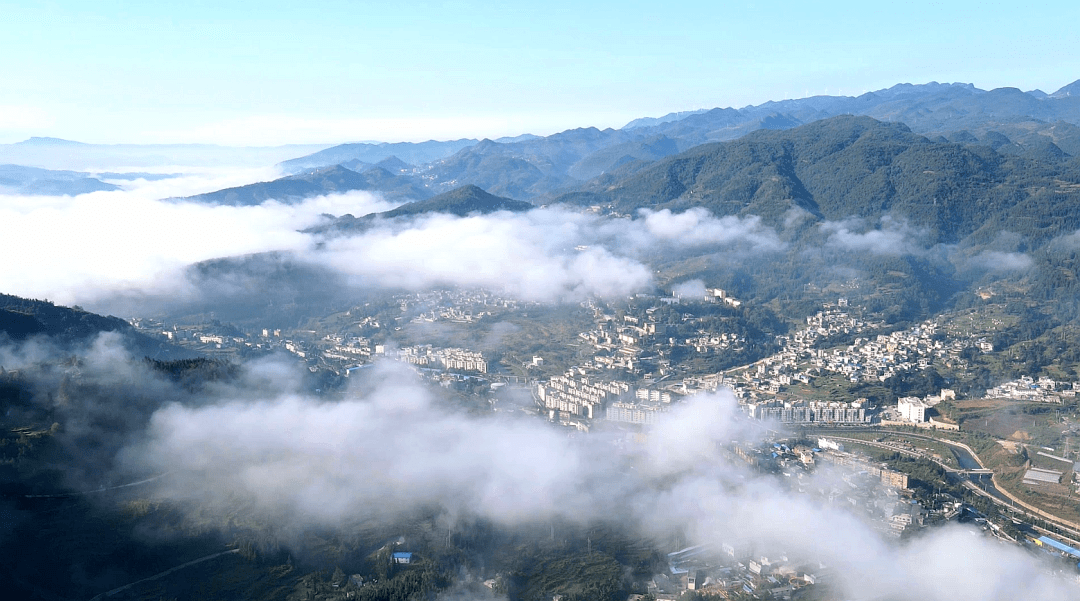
<point x="309" y="72"/>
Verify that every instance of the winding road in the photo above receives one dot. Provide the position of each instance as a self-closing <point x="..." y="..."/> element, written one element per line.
<point x="965" y="455"/>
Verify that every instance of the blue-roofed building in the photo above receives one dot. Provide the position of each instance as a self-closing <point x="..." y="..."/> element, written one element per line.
<point x="401" y="557"/>
<point x="1046" y="541"/>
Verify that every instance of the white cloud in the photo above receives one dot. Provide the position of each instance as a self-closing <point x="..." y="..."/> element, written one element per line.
<point x="796" y="216"/>
<point x="382" y="451"/>
<point x="697" y="226"/>
<point x="260" y="454"/>
<point x="73" y="249"/>
<point x="393" y="447"/>
<point x="892" y="237"/>
<point x="690" y="289"/>
<point x="544" y="254"/>
<point x="89" y="247"/>
<point x="1068" y="241"/>
<point x="993" y="260"/>
<point x="530" y="255"/>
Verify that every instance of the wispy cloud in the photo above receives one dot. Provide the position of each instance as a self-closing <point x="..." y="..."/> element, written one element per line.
<point x="74" y="249"/>
<point x="993" y="260"/>
<point x="261" y="455"/>
<point x="533" y="256"/>
<point x="392" y="446"/>
<point x="78" y="249"/>
<point x="698" y="227"/>
<point x="890" y="237"/>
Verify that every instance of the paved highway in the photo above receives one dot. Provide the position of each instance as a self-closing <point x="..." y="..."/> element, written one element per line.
<point x="965" y="455"/>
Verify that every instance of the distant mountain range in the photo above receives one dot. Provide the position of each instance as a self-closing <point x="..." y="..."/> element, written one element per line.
<point x="34" y="181"/>
<point x="1006" y="119"/>
<point x="668" y="118"/>
<point x="16" y="179"/>
<point x="55" y="153"/>
<point x="920" y="220"/>
<point x="415" y="153"/>
<point x="47" y="141"/>
<point x="1033" y="124"/>
<point x="845" y="167"/>
<point x="316" y="182"/>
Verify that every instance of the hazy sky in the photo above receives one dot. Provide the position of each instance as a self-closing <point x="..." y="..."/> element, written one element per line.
<point x="282" y="72"/>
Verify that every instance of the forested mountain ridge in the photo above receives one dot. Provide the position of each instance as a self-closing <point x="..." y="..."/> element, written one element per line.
<point x="847" y="167"/>
<point x="23" y="318"/>
<point x="372" y="153"/>
<point x="1024" y="123"/>
<point x="461" y="201"/>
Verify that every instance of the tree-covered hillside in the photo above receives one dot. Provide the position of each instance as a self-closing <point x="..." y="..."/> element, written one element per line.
<point x="22" y="318"/>
<point x="848" y="167"/>
<point x="461" y="201"/>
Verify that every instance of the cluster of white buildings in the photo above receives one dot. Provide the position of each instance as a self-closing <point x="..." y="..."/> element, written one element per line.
<point x="352" y="349"/>
<point x="368" y="322"/>
<point x="456" y="302"/>
<point x="712" y="295"/>
<point x="202" y="337"/>
<point x="833" y="452"/>
<point x="579" y="395"/>
<point x="574" y="397"/>
<point x="297" y="348"/>
<point x="731" y="569"/>
<point x="801" y="360"/>
<point x="1043" y="390"/>
<point x="876" y="358"/>
<point x="453" y="314"/>
<point x="714" y="343"/>
<point x="611" y="334"/>
<point x="638" y="344"/>
<point x="634" y="413"/>
<point x="718" y="295"/>
<point x="645" y="408"/>
<point x="810" y="412"/>
<point x="884" y="356"/>
<point x="619" y="344"/>
<point x="450" y="359"/>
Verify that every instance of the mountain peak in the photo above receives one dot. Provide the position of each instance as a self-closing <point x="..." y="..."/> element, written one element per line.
<point x="461" y="201"/>
<point x="394" y="164"/>
<point x="466" y="200"/>
<point x="1072" y="89"/>
<point x="46" y="141"/>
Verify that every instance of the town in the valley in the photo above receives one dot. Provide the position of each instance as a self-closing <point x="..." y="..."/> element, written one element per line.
<point x="901" y="461"/>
